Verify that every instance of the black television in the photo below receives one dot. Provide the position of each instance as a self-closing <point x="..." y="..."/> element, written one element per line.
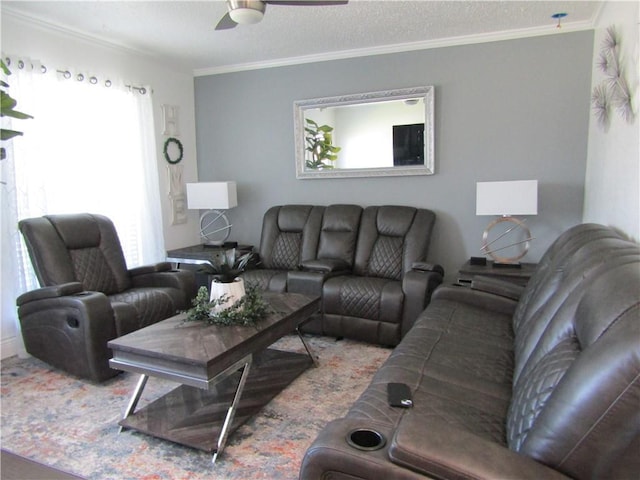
<point x="408" y="144"/>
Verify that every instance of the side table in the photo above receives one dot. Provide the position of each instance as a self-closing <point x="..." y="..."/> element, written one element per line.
<point x="519" y="276"/>
<point x="202" y="254"/>
<point x="198" y="254"/>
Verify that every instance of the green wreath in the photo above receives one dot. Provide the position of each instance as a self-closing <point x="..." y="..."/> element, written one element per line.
<point x="178" y="144"/>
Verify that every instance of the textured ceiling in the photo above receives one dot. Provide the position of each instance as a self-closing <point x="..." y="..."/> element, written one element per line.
<point x="182" y="32"/>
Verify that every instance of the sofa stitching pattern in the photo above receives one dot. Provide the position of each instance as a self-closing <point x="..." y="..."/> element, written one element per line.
<point x="360" y="299"/>
<point x="149" y="303"/>
<point x="92" y="270"/>
<point x="386" y="258"/>
<point x="286" y="250"/>
<point x="529" y="399"/>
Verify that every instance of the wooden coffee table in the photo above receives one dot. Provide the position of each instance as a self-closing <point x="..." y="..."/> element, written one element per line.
<point x="213" y="364"/>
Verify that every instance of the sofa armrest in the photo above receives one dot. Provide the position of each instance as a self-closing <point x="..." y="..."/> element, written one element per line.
<point x="417" y="286"/>
<point x="428" y="267"/>
<point x="55" y="291"/>
<point x="312" y="274"/>
<point x="436" y="448"/>
<point x="478" y="298"/>
<point x="498" y="287"/>
<point x="183" y="280"/>
<point x="325" y="265"/>
<point x="69" y="331"/>
<point x="156" y="267"/>
<point x="330" y="454"/>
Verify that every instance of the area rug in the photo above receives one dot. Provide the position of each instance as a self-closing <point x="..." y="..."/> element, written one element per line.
<point x="71" y="424"/>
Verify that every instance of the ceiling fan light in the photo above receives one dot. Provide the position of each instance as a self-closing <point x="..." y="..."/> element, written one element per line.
<point x="245" y="16"/>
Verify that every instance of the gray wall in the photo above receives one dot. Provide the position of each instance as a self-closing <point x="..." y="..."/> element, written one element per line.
<point x="509" y="110"/>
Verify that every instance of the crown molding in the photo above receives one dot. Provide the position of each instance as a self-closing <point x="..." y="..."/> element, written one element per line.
<point x="91" y="39"/>
<point x="70" y="32"/>
<point x="321" y="57"/>
<point x="401" y="47"/>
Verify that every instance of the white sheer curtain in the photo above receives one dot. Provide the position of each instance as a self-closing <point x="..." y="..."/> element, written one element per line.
<point x="89" y="148"/>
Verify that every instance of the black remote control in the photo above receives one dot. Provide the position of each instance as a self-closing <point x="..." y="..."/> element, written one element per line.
<point x="399" y="395"/>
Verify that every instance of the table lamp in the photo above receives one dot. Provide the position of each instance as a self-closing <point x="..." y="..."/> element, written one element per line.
<point x="214" y="198"/>
<point x="519" y="197"/>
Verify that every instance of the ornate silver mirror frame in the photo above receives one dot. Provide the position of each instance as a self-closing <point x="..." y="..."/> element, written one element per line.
<point x="416" y="96"/>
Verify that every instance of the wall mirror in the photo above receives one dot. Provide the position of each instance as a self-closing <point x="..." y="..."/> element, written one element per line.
<point x="388" y="133"/>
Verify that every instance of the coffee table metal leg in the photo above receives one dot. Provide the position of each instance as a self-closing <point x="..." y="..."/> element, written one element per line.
<point x="135" y="397"/>
<point x="307" y="348"/>
<point x="222" y="439"/>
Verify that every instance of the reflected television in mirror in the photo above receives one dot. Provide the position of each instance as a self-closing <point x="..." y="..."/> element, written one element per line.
<point x="408" y="144"/>
<point x="387" y="133"/>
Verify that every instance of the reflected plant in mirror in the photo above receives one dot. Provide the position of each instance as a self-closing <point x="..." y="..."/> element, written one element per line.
<point x="388" y="133"/>
<point x="319" y="141"/>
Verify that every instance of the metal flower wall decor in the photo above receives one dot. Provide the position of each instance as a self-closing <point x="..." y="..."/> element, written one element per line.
<point x="614" y="91"/>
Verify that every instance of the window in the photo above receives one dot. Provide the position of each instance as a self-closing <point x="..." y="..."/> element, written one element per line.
<point x="89" y="148"/>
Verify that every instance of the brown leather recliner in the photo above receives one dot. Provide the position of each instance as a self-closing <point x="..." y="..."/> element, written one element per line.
<point x="88" y="295"/>
<point x="391" y="281"/>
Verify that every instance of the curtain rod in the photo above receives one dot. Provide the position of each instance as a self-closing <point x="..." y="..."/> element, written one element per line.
<point x="93" y="80"/>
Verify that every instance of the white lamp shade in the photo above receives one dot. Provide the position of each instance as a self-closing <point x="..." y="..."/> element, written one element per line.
<point x="518" y="197"/>
<point x="211" y="195"/>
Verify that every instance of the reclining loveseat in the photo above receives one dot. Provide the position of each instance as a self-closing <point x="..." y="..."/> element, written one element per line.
<point x="508" y="382"/>
<point x="368" y="265"/>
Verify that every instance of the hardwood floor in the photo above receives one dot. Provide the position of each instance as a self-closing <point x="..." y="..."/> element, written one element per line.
<point x="15" y="467"/>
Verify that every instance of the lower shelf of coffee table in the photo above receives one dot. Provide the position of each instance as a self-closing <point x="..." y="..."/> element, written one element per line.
<point x="194" y="417"/>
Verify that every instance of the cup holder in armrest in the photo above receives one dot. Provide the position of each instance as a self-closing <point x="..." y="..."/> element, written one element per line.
<point x="366" y="439"/>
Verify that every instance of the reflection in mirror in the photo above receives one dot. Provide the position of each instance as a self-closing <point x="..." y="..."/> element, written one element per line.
<point x="364" y="135"/>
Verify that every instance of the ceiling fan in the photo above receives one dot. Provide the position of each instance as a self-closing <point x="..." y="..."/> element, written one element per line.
<point x="252" y="11"/>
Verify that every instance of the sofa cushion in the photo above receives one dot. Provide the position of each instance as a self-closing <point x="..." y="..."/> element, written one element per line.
<point x="339" y="233"/>
<point x="286" y="251"/>
<point x="456" y="369"/>
<point x="543" y="293"/>
<point x="406" y="230"/>
<point x="365" y="297"/>
<point x="386" y="258"/>
<point x="289" y="235"/>
<point x="266" y="279"/>
<point x="149" y="304"/>
<point x="580" y="386"/>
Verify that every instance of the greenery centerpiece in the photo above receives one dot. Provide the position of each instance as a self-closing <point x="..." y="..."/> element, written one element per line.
<point x="225" y="269"/>
<point x="227" y="287"/>
<point x="247" y="311"/>
<point x="319" y="142"/>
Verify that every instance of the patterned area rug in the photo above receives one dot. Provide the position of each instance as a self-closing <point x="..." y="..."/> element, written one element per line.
<point x="71" y="424"/>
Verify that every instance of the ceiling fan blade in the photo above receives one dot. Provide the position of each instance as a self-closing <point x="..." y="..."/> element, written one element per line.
<point x="226" y="23"/>
<point x="307" y="3"/>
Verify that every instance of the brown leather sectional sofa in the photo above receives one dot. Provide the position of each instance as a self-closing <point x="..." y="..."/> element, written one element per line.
<point x="539" y="383"/>
<point x="367" y="264"/>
